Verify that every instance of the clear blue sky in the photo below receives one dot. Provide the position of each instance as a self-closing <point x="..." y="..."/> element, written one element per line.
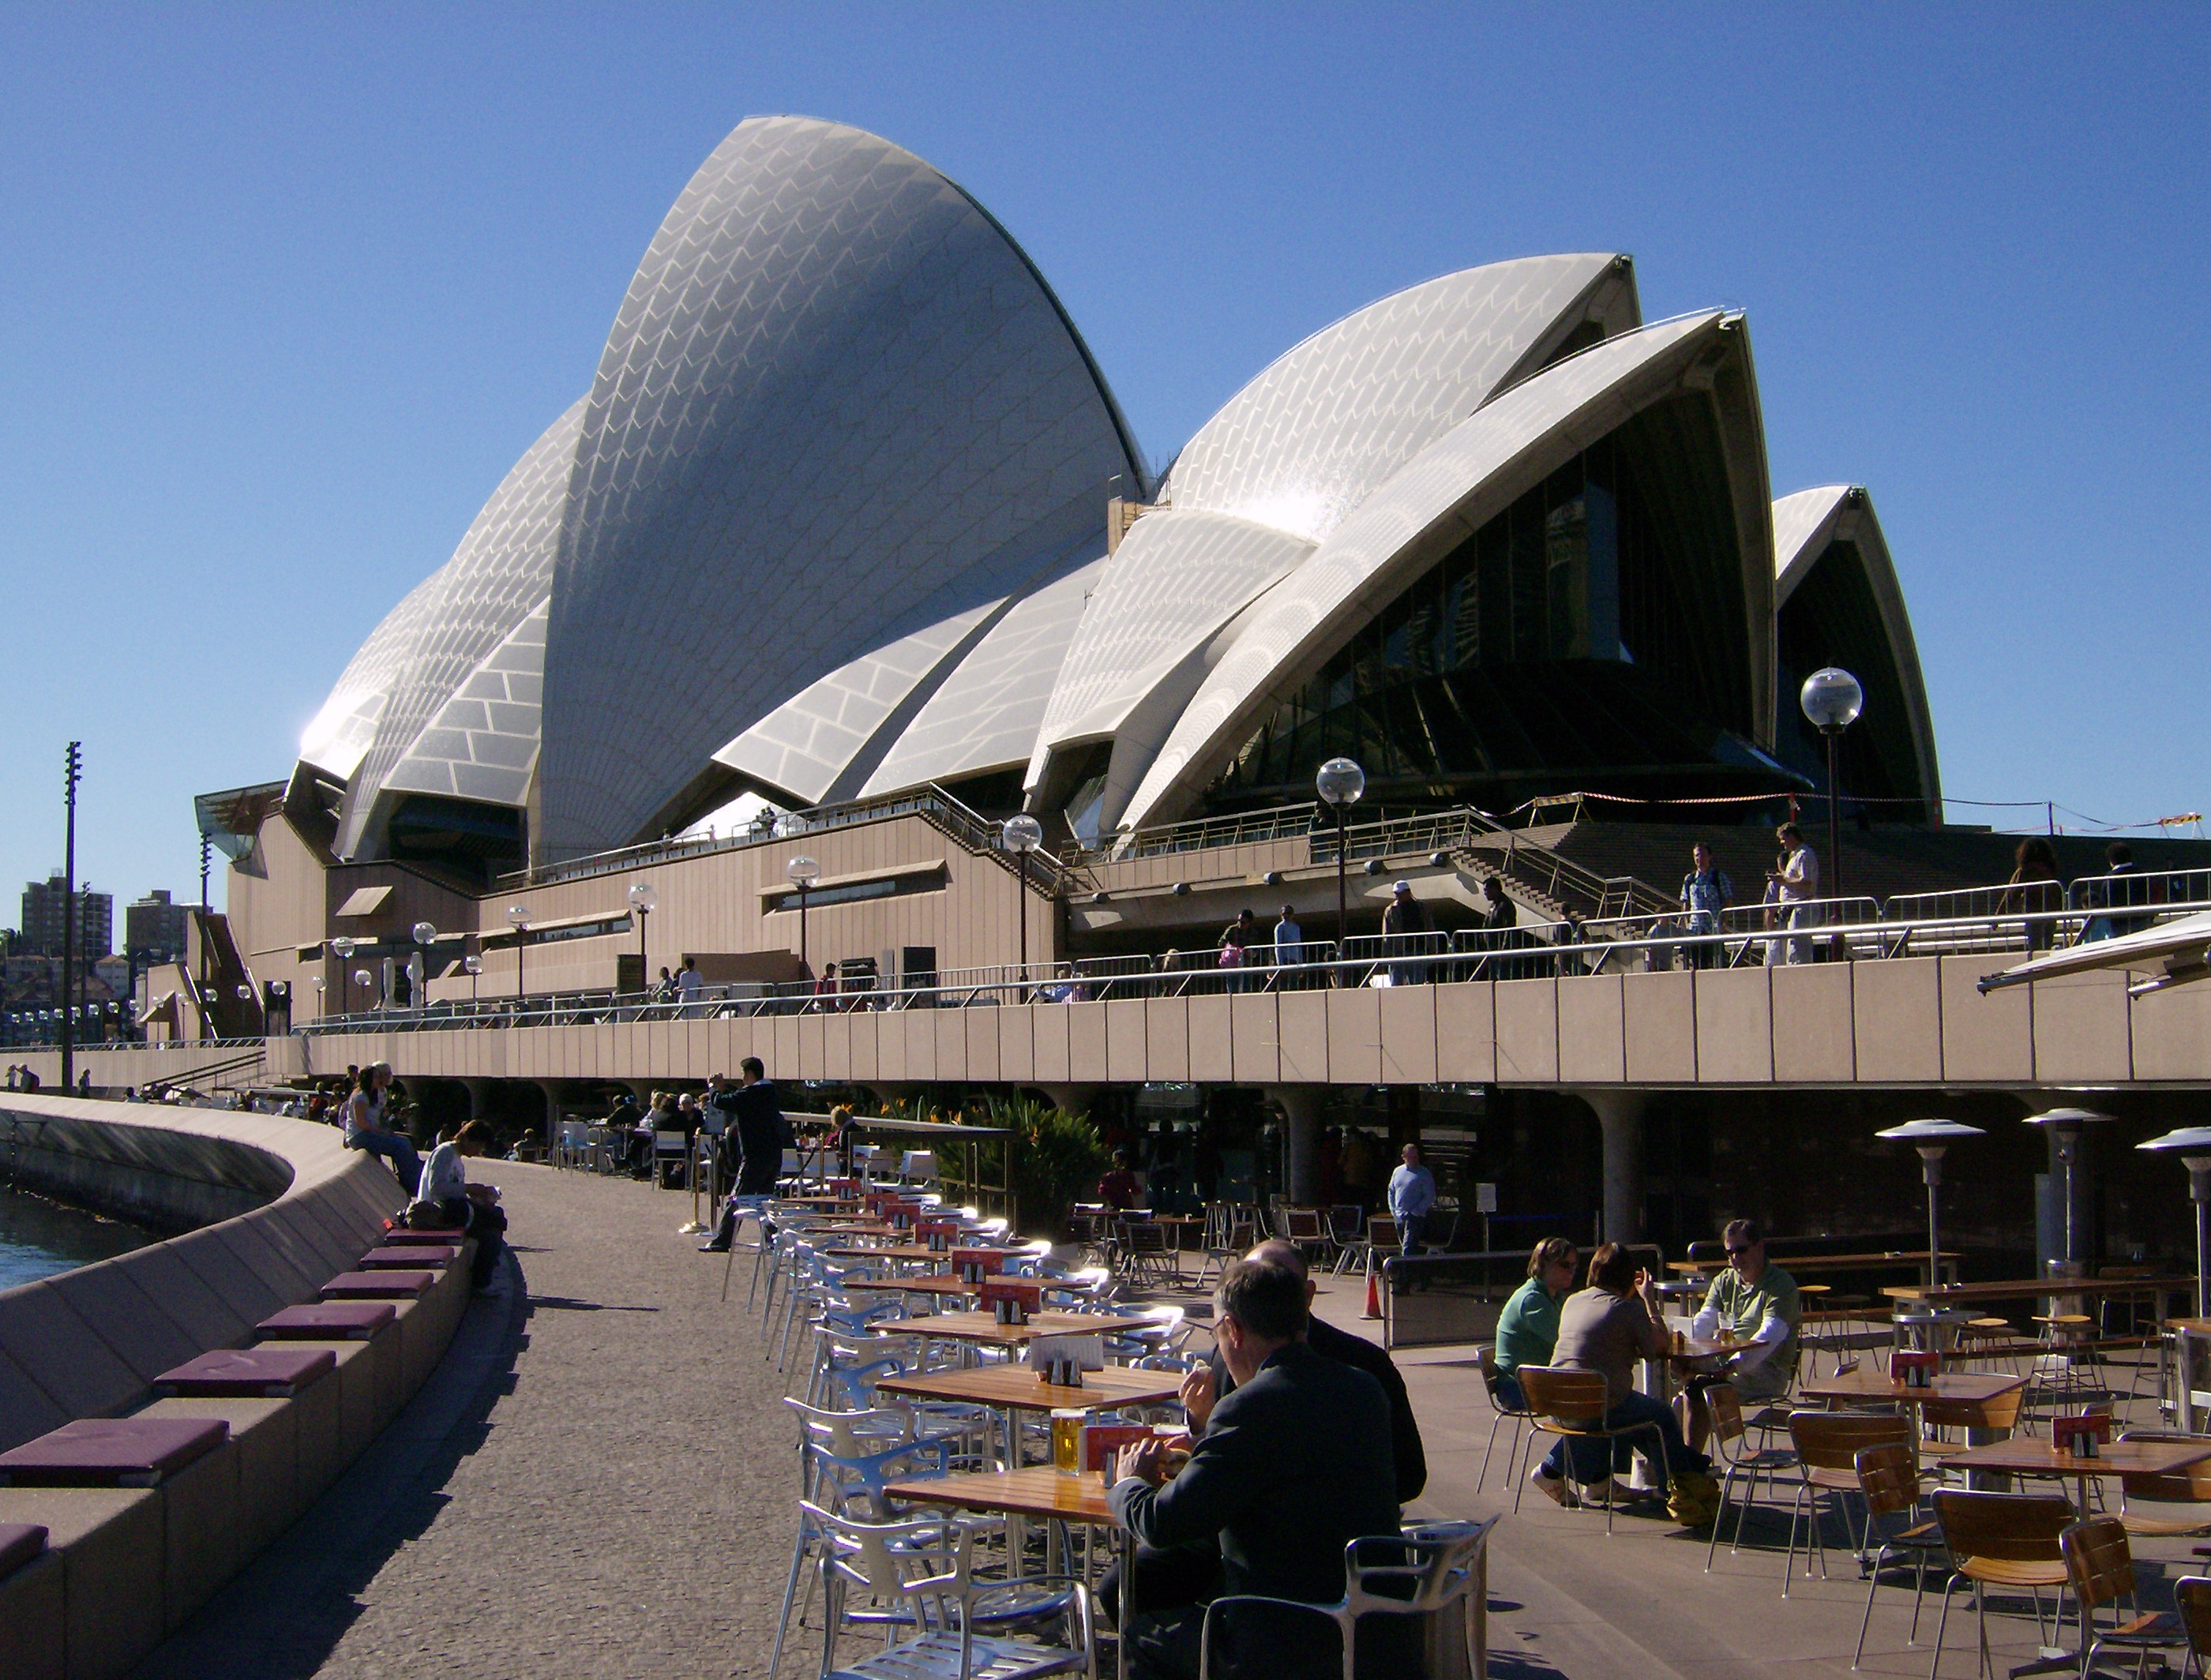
<point x="285" y="290"/>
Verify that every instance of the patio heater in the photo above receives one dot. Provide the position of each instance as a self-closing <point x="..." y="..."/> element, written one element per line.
<point x="518" y="917"/>
<point x="343" y="948"/>
<point x="2192" y="1144"/>
<point x="642" y="898"/>
<point x="1022" y="835"/>
<point x="1932" y="1138"/>
<point x="803" y="872"/>
<point x="1341" y="784"/>
<point x="2065" y="1125"/>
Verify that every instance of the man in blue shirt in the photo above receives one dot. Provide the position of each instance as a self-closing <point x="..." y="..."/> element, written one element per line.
<point x="1412" y="1196"/>
<point x="1706" y="891"/>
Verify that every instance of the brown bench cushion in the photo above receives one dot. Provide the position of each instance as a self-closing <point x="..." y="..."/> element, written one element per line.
<point x="378" y="1285"/>
<point x="328" y="1320"/>
<point x="111" y="1452"/>
<point x="272" y="1371"/>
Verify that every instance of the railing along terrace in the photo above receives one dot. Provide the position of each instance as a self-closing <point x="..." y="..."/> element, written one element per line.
<point x="976" y="832"/>
<point x="1852" y="931"/>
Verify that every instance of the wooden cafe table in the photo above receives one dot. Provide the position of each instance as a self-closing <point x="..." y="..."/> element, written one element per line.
<point x="935" y="1282"/>
<point x="984" y="1328"/>
<point x="1039" y="1492"/>
<point x="1870" y="1385"/>
<point x="1016" y="1389"/>
<point x="2026" y="1455"/>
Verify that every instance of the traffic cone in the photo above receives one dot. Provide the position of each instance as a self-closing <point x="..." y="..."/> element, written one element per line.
<point x="1374" y="1295"/>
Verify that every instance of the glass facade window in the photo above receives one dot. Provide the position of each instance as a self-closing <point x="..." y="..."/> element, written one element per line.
<point x="1590" y="634"/>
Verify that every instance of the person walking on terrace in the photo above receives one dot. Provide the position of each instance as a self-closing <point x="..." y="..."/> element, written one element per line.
<point x="1796" y="881"/>
<point x="1706" y="891"/>
<point x="367" y="1126"/>
<point x="762" y="1134"/>
<point x="2035" y="885"/>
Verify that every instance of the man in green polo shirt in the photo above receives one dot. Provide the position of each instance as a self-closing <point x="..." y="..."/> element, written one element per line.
<point x="1755" y="1304"/>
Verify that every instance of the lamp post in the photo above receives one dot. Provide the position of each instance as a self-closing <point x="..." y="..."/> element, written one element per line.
<point x="473" y="965"/>
<point x="2192" y="1144"/>
<point x="1341" y="783"/>
<point x="426" y="935"/>
<point x="1931" y="1137"/>
<point x="343" y="948"/>
<point x="1832" y="699"/>
<point x="642" y="898"/>
<point x="363" y="978"/>
<point x="72" y="770"/>
<point x="1022" y="835"/>
<point x="803" y="872"/>
<point x="2064" y="1126"/>
<point x="518" y="917"/>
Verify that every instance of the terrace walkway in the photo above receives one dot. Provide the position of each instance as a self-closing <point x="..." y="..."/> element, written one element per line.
<point x="598" y="1482"/>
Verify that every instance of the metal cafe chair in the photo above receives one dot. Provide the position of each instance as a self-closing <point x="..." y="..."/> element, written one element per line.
<point x="669" y="1149"/>
<point x="2008" y="1541"/>
<point x="1729" y="1436"/>
<point x="1520" y="1418"/>
<point x="2101" y="1566"/>
<point x="1420" y="1573"/>
<point x="1572" y="1405"/>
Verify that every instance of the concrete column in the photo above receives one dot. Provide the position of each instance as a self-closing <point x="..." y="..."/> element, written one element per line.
<point x="1620" y="1117"/>
<point x="1301" y="1107"/>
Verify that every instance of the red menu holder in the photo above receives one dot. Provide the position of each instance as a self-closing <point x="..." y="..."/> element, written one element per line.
<point x="1914" y="1370"/>
<point x="937" y="1235"/>
<point x="1100" y="1441"/>
<point x="1011" y="1299"/>
<point x="972" y="1265"/>
<point x="2081" y="1434"/>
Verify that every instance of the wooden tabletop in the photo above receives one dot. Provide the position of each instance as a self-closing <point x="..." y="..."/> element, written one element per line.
<point x="2025" y="1455"/>
<point x="1793" y="1263"/>
<point x="936" y="1282"/>
<point x="1869" y="1382"/>
<point x="818" y="1201"/>
<point x="2201" y="1326"/>
<point x="2035" y="1289"/>
<point x="985" y="1328"/>
<point x="1016" y="1387"/>
<point x="1039" y="1491"/>
<point x="904" y="1251"/>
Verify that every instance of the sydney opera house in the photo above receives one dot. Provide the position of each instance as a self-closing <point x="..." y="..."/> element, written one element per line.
<point x="849" y="515"/>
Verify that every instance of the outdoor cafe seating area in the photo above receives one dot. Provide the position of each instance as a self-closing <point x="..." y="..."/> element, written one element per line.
<point x="1999" y="1449"/>
<point x="957" y="1394"/>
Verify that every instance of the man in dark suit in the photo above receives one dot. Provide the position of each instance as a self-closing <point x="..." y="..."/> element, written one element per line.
<point x="1293" y="1464"/>
<point x="1167" y="1580"/>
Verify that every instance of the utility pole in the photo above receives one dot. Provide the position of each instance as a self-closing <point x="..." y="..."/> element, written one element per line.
<point x="73" y="769"/>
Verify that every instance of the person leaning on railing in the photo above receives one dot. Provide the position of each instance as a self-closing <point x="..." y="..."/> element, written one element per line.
<point x="2033" y="865"/>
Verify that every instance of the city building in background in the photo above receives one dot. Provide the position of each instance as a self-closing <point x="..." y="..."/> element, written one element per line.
<point x="42" y="931"/>
<point x="154" y="927"/>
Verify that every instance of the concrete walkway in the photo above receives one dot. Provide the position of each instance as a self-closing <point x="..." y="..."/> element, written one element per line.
<point x="598" y="1482"/>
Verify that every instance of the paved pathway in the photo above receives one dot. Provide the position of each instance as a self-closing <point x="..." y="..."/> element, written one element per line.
<point x="597" y="1482"/>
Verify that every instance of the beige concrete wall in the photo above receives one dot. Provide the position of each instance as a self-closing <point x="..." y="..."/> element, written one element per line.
<point x="1910" y="1022"/>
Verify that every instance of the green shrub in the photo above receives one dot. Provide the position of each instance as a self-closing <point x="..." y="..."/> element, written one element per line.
<point x="1058" y="1158"/>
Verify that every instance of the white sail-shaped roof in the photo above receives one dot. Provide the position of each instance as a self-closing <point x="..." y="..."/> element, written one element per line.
<point x="1451" y="487"/>
<point x="836" y="391"/>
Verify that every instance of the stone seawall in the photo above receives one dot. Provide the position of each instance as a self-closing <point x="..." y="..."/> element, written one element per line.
<point x="269" y="1209"/>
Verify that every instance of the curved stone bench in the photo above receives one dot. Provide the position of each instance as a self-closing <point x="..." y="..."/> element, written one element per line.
<point x="123" y="1566"/>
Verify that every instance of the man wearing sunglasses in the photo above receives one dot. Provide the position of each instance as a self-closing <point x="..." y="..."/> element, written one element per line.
<point x="1755" y="1305"/>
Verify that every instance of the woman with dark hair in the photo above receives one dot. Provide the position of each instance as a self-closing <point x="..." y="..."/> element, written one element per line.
<point x="1606" y="1329"/>
<point x="2033" y="864"/>
<point x="367" y="1127"/>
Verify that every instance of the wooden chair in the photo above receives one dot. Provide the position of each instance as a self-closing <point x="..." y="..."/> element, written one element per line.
<point x="1827" y="1446"/>
<point x="2101" y="1566"/>
<point x="1571" y="1405"/>
<point x="1888" y="1476"/>
<point x="1728" y="1433"/>
<point x="1999" y="1411"/>
<point x="2189" y="1485"/>
<point x="1519" y="1417"/>
<point x="2009" y="1541"/>
<point x="2191" y="1596"/>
